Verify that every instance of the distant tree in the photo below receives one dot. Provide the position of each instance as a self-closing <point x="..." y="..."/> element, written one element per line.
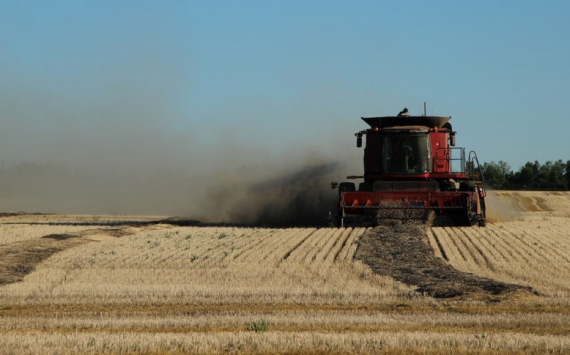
<point x="553" y="176"/>
<point x="542" y="181"/>
<point x="496" y="174"/>
<point x="567" y="174"/>
<point x="526" y="178"/>
<point x="556" y="178"/>
<point x="469" y="167"/>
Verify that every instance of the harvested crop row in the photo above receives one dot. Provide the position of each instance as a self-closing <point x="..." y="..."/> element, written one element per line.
<point x="532" y="253"/>
<point x="209" y="264"/>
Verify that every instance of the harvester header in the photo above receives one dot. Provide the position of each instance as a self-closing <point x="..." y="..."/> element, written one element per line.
<point x="411" y="166"/>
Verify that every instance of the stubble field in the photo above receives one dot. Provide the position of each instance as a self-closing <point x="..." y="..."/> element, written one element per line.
<point x="116" y="284"/>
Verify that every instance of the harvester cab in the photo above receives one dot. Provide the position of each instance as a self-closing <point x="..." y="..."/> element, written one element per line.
<point x="411" y="167"/>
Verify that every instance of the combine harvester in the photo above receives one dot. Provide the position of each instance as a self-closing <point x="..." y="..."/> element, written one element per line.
<point x="411" y="167"/>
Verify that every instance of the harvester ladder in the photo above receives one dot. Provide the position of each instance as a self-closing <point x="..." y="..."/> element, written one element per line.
<point x="475" y="173"/>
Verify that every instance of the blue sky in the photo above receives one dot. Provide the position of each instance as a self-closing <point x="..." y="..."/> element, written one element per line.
<point x="129" y="81"/>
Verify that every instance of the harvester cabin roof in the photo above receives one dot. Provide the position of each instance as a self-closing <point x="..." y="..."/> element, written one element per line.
<point x="399" y="121"/>
<point x="406" y="129"/>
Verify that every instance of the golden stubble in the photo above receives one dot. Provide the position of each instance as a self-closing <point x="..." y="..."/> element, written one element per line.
<point x="165" y="289"/>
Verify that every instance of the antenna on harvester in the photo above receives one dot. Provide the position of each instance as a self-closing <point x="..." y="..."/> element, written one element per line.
<point x="425" y="109"/>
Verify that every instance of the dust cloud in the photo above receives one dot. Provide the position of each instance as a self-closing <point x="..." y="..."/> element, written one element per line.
<point x="289" y="196"/>
<point x="499" y="210"/>
<point x="299" y="198"/>
<point x="134" y="157"/>
<point x="133" y="138"/>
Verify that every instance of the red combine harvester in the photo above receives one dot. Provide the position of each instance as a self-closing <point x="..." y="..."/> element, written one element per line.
<point x="411" y="166"/>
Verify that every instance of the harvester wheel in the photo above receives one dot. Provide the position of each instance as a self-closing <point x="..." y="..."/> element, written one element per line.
<point x="481" y="222"/>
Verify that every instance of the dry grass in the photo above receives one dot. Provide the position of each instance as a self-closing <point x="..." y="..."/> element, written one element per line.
<point x="66" y="220"/>
<point x="165" y="289"/>
<point x="290" y="343"/>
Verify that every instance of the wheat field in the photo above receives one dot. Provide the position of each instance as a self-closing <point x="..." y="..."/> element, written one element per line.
<point x="74" y="284"/>
<point x="531" y="247"/>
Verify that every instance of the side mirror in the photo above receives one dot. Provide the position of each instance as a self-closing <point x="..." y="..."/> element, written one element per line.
<point x="452" y="139"/>
<point x="359" y="138"/>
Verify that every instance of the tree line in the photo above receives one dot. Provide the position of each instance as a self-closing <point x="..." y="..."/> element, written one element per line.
<point x="552" y="176"/>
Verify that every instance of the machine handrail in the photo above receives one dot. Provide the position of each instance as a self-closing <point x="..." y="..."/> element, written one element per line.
<point x="449" y="158"/>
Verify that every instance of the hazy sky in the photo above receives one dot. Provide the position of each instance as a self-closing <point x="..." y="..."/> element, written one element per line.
<point x="200" y="83"/>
